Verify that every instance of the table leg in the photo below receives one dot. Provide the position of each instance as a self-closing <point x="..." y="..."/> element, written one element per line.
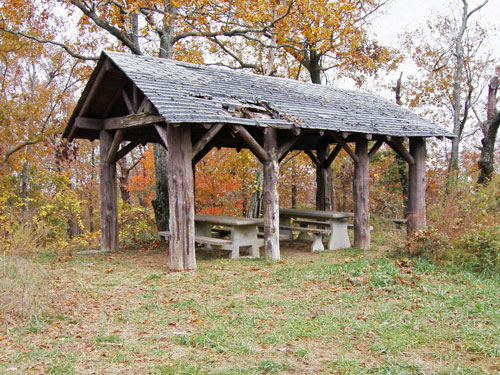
<point x="203" y="229"/>
<point x="245" y="235"/>
<point x="317" y="244"/>
<point x="287" y="222"/>
<point x="339" y="238"/>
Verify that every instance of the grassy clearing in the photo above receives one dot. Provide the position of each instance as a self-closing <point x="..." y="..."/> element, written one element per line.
<point x="348" y="312"/>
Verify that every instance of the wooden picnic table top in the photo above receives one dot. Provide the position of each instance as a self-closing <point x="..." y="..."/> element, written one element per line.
<point x="228" y="220"/>
<point x="292" y="212"/>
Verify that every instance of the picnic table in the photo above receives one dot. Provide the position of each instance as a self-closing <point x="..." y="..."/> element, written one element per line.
<point x="243" y="232"/>
<point x="325" y="222"/>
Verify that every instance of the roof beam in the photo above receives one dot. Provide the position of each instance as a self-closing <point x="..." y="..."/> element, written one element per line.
<point x="162" y="132"/>
<point x="132" y="121"/>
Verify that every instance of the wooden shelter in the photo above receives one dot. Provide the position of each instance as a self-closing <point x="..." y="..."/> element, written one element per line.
<point x="190" y="109"/>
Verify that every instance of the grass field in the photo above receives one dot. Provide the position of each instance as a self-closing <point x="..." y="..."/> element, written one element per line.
<point x="344" y="312"/>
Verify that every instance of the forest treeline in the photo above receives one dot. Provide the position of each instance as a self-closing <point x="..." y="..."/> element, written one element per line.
<point x="49" y="190"/>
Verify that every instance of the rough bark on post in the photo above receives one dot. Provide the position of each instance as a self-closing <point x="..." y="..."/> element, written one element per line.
<point x="416" y="186"/>
<point x="180" y="182"/>
<point x="324" y="181"/>
<point x="109" y="209"/>
<point x="361" y="196"/>
<point x="271" y="204"/>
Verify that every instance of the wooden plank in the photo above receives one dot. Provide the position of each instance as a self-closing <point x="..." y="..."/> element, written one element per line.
<point x="117" y="139"/>
<point x="132" y="121"/>
<point x="108" y="190"/>
<point x="212" y="240"/>
<point x="400" y="149"/>
<point x="345" y="146"/>
<point x="416" y="186"/>
<point x="361" y="196"/>
<point x="270" y="196"/>
<point x="375" y="149"/>
<point x="254" y="146"/>
<point x="181" y="198"/>
<point x="205" y="139"/>
<point x="146" y="106"/>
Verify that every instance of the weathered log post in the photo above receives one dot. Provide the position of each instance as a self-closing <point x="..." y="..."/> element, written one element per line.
<point x="361" y="196"/>
<point x="181" y="198"/>
<point x="109" y="206"/>
<point x="324" y="181"/>
<point x="270" y="197"/>
<point x="416" y="186"/>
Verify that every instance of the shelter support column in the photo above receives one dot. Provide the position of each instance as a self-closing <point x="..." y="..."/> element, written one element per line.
<point x="324" y="181"/>
<point x="181" y="198"/>
<point x="270" y="198"/>
<point x="361" y="196"/>
<point x="109" y="207"/>
<point x="416" y="186"/>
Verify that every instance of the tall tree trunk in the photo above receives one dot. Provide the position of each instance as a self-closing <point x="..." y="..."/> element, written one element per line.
<point x="25" y="185"/>
<point x="124" y="180"/>
<point x="400" y="163"/>
<point x="490" y="130"/>
<point x="160" y="203"/>
<point x="255" y="207"/>
<point x="458" y="120"/>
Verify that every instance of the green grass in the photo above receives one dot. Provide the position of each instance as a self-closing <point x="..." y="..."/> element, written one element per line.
<point x="344" y="312"/>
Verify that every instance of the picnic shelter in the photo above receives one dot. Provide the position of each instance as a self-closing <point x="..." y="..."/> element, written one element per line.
<point x="190" y="109"/>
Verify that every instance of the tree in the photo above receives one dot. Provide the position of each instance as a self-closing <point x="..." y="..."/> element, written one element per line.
<point x="453" y="61"/>
<point x="490" y="130"/>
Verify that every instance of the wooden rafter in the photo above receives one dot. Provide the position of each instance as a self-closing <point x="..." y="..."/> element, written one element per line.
<point x="345" y="146"/>
<point x="162" y="132"/>
<point x="128" y="148"/>
<point x="313" y="157"/>
<point x="285" y="147"/>
<point x="115" y="144"/>
<point x="254" y="146"/>
<point x="329" y="160"/>
<point x="205" y="139"/>
<point x="375" y="149"/>
<point x="400" y="149"/>
<point x="100" y="76"/>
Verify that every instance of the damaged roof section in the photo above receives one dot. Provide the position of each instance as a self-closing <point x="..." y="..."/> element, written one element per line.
<point x="189" y="93"/>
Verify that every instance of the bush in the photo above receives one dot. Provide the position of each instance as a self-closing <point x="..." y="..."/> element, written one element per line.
<point x="478" y="249"/>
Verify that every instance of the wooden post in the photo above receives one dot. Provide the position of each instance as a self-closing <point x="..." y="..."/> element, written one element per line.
<point x="324" y="181"/>
<point x="361" y="196"/>
<point x="416" y="186"/>
<point x="181" y="198"/>
<point x="271" y="204"/>
<point x="109" y="209"/>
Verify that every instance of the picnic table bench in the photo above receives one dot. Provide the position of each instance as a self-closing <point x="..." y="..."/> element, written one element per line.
<point x="243" y="233"/>
<point x="324" y="222"/>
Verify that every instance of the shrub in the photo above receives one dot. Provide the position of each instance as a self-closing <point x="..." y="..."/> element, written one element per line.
<point x="479" y="249"/>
